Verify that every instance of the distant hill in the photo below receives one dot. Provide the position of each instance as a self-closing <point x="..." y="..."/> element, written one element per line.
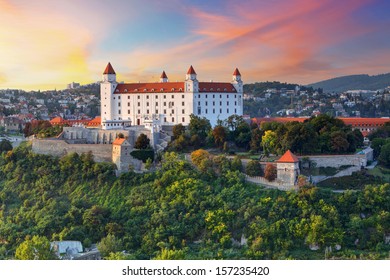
<point x="354" y="82"/>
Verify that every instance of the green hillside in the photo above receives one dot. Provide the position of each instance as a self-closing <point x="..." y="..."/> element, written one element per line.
<point x="352" y="82"/>
<point x="181" y="213"/>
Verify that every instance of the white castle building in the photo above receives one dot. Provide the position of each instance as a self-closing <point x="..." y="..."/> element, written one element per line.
<point x="167" y="103"/>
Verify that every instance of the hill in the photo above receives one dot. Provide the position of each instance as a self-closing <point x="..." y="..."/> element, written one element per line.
<point x="179" y="212"/>
<point x="353" y="82"/>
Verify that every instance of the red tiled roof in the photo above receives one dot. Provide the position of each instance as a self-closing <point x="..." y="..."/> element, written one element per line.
<point x="95" y="122"/>
<point x="149" y="87"/>
<point x="56" y="120"/>
<point x="109" y="69"/>
<point x="288" y="157"/>
<point x="236" y="72"/>
<point x="163" y="75"/>
<point x="191" y="70"/>
<point x="216" y="87"/>
<point x="118" y="141"/>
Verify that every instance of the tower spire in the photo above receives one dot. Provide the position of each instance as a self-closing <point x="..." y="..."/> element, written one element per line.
<point x="109" y="69"/>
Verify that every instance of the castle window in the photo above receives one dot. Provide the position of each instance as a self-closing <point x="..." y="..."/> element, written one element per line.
<point x="117" y="90"/>
<point x="119" y="112"/>
<point x="173" y="119"/>
<point x="183" y="119"/>
<point x="182" y="96"/>
<point x="235" y="96"/>
<point x="156" y="111"/>
<point x="128" y="97"/>
<point x="213" y="95"/>
<point x="165" y="97"/>
<point x="172" y="89"/>
<point x="144" y="89"/>
<point x="165" y="103"/>
<point x="211" y="89"/>
<point x="206" y="103"/>
<point x="220" y="103"/>
<point x="128" y="111"/>
<point x="235" y="103"/>
<point x="138" y="97"/>
<point x="151" y="90"/>
<point x="199" y="94"/>
<point x="227" y="103"/>
<point x="227" y="96"/>
<point x="139" y="104"/>
<point x="165" y="111"/>
<point x="147" y="103"/>
<point x="182" y="104"/>
<point x="206" y="111"/>
<point x="139" y="111"/>
<point x="128" y="103"/>
<point x="165" y="119"/>
<point x="198" y="103"/>
<point x="136" y="90"/>
<point x="173" y="97"/>
<point x="156" y="103"/>
<point x="213" y="111"/>
<point x="114" y="97"/>
<point x="161" y="89"/>
<point x="173" y="111"/>
<point x="119" y="104"/>
<point x="183" y="111"/>
<point x="218" y="89"/>
<point x="224" y="89"/>
<point x="180" y="89"/>
<point x="119" y="97"/>
<point x="220" y="111"/>
<point x="227" y="111"/>
<point x="204" y="89"/>
<point x="206" y="95"/>
<point x="235" y="111"/>
<point x="220" y="96"/>
<point x="147" y="111"/>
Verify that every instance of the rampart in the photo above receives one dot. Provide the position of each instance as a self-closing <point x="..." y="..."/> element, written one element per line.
<point x="55" y="147"/>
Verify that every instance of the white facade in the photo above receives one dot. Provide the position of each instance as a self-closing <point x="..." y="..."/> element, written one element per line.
<point x="168" y="103"/>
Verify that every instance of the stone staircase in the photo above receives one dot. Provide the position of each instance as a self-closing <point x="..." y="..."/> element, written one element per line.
<point x="162" y="142"/>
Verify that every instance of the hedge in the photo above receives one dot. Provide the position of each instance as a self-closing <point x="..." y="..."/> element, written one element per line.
<point x="143" y="154"/>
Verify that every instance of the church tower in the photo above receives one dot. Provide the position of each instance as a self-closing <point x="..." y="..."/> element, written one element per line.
<point x="191" y="83"/>
<point x="107" y="88"/>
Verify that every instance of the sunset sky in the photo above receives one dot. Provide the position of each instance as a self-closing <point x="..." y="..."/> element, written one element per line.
<point x="46" y="44"/>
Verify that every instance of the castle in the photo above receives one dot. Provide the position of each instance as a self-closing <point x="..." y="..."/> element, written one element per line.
<point x="129" y="109"/>
<point x="167" y="103"/>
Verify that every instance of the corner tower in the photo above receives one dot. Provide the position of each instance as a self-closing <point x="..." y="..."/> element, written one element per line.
<point x="288" y="168"/>
<point x="237" y="82"/>
<point x="107" y="88"/>
<point x="191" y="83"/>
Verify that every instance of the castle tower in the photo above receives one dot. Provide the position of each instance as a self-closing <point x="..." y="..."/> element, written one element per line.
<point x="163" y="78"/>
<point x="107" y="87"/>
<point x="288" y="168"/>
<point x="191" y="83"/>
<point x="121" y="149"/>
<point x="237" y="82"/>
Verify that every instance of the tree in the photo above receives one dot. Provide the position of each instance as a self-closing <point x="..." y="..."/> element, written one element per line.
<point x="36" y="248"/>
<point x="256" y="136"/>
<point x="219" y="134"/>
<point x="339" y="142"/>
<point x="269" y="141"/>
<point x="384" y="156"/>
<point x="5" y="146"/>
<point x="236" y="164"/>
<point x="253" y="168"/>
<point x="270" y="172"/>
<point x="198" y="156"/>
<point x="109" y="244"/>
<point x="199" y="126"/>
<point x="142" y="142"/>
<point x="178" y="130"/>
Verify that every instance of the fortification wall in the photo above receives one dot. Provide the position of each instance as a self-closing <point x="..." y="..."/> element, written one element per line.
<point x="101" y="152"/>
<point x="338" y="160"/>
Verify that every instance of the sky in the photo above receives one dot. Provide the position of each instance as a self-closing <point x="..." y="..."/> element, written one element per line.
<point x="47" y="44"/>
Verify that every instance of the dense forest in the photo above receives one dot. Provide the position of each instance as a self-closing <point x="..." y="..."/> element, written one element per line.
<point x="179" y="212"/>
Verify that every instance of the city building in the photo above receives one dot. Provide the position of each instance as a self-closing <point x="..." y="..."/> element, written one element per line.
<point x="167" y="103"/>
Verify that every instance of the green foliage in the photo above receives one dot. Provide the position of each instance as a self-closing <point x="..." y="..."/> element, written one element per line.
<point x="36" y="248"/>
<point x="143" y="155"/>
<point x="384" y="156"/>
<point x="142" y="142"/>
<point x="5" y="146"/>
<point x="180" y="212"/>
<point x="178" y="130"/>
<point x="109" y="245"/>
<point x="253" y="168"/>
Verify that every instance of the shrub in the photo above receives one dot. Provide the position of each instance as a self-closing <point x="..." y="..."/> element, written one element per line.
<point x="143" y="155"/>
